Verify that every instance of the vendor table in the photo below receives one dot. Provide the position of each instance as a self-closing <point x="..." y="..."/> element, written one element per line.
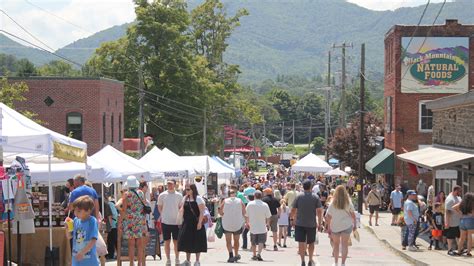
<point x="34" y="246"/>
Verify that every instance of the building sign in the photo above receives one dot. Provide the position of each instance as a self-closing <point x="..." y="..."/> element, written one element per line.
<point x="435" y="65"/>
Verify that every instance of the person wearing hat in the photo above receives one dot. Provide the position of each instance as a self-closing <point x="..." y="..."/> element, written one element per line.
<point x="169" y="203"/>
<point x="274" y="205"/>
<point x="132" y="220"/>
<point x="248" y="194"/>
<point x="411" y="215"/>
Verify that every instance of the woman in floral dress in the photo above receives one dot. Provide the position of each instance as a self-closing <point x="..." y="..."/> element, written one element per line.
<point x="134" y="226"/>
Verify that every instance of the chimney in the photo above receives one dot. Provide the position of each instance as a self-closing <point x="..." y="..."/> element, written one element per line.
<point x="451" y="22"/>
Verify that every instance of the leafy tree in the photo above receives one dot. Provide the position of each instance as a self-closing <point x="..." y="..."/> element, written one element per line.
<point x="345" y="143"/>
<point x="58" y="68"/>
<point x="25" y="68"/>
<point x="8" y="64"/>
<point x="318" y="145"/>
<point x="10" y="93"/>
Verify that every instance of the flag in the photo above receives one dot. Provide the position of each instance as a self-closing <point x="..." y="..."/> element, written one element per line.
<point x="416" y="170"/>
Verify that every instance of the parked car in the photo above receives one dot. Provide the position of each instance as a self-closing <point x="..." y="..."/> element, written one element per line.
<point x="261" y="163"/>
<point x="279" y="143"/>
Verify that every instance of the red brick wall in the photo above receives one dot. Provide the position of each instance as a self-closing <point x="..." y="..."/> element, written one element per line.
<point x="405" y="135"/>
<point x="86" y="96"/>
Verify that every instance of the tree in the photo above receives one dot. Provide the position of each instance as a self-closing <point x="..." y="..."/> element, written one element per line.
<point x="345" y="143"/>
<point x="25" y="68"/>
<point x="58" y="68"/>
<point x="10" y="93"/>
<point x="318" y="145"/>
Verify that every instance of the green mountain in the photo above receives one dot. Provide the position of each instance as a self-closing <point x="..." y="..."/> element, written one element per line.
<point x="37" y="56"/>
<point x="293" y="37"/>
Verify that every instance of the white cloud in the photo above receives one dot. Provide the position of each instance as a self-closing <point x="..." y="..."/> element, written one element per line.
<point x="390" y="4"/>
<point x="90" y="15"/>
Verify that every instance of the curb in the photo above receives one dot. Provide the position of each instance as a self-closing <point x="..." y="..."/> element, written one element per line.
<point x="396" y="250"/>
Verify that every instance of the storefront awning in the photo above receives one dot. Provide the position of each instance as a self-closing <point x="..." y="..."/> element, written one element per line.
<point x="381" y="163"/>
<point x="434" y="158"/>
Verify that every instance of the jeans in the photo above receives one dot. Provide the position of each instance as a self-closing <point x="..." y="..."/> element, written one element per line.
<point x="244" y="238"/>
<point x="410" y="235"/>
<point x="111" y="243"/>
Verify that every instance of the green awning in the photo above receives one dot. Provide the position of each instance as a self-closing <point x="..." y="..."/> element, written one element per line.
<point x="382" y="163"/>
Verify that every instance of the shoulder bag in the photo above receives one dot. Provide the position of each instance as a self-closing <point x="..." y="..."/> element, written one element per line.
<point x="146" y="208"/>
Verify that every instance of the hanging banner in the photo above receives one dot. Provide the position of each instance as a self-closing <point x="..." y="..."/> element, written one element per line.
<point x="435" y="65"/>
<point x="70" y="153"/>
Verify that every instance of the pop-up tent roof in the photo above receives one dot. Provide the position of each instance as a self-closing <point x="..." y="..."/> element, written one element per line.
<point x="22" y="135"/>
<point x="166" y="163"/>
<point x="205" y="164"/>
<point x="336" y="172"/>
<point x="113" y="159"/>
<point x="311" y="163"/>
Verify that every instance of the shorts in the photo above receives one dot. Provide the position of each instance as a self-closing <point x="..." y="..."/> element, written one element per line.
<point x="348" y="231"/>
<point x="467" y="223"/>
<point x="373" y="208"/>
<point x="436" y="233"/>
<point x="396" y="211"/>
<point x="238" y="232"/>
<point x="453" y="232"/>
<point x="170" y="231"/>
<point x="256" y="239"/>
<point x="305" y="234"/>
<point x="274" y="223"/>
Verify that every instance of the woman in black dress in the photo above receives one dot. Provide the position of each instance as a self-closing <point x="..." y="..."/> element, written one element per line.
<point x="192" y="236"/>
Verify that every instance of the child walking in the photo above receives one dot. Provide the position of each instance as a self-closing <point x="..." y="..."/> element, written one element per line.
<point x="283" y="213"/>
<point x="85" y="233"/>
<point x="438" y="225"/>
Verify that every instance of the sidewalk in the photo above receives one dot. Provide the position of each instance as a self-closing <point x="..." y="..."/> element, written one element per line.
<point x="391" y="236"/>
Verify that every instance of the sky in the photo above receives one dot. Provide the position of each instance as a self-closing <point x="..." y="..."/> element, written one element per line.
<point x="59" y="22"/>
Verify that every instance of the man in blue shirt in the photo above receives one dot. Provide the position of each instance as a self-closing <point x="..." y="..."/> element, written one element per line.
<point x="82" y="190"/>
<point x="411" y="215"/>
<point x="396" y="202"/>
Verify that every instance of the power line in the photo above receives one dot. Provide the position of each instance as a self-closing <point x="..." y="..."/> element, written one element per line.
<point x="25" y="30"/>
<point x="176" y="134"/>
<point x="173" y="108"/>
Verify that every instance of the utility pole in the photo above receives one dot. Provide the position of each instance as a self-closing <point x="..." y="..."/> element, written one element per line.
<point x="326" y="120"/>
<point x="282" y="131"/>
<point x="204" y="133"/>
<point x="362" y="126"/>
<point x="293" y="132"/>
<point x="235" y="145"/>
<point x="343" y="46"/>
<point x="309" y="136"/>
<point x="141" y="118"/>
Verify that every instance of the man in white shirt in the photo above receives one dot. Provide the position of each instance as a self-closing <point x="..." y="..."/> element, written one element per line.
<point x="396" y="203"/>
<point x="258" y="217"/>
<point x="233" y="214"/>
<point x="169" y="203"/>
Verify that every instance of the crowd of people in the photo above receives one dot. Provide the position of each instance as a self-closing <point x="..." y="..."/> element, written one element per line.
<point x="264" y="211"/>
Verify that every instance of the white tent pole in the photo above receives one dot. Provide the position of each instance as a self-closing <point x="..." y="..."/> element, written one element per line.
<point x="50" y="190"/>
<point x="102" y="192"/>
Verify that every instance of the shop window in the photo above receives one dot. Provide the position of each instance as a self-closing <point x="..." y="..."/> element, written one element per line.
<point x="112" y="128"/>
<point x="120" y="128"/>
<point x="103" y="128"/>
<point x="425" y="116"/>
<point x="74" y="125"/>
<point x="388" y="117"/>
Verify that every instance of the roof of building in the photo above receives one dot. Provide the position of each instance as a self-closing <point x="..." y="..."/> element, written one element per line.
<point x="452" y="101"/>
<point x="64" y="78"/>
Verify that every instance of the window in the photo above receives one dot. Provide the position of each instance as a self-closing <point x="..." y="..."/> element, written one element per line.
<point x="425" y="118"/>
<point x="120" y="128"/>
<point x="74" y="125"/>
<point x="388" y="117"/>
<point x="112" y="128"/>
<point x="103" y="128"/>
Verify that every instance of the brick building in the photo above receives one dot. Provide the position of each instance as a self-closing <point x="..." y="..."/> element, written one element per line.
<point x="422" y="63"/>
<point x="89" y="109"/>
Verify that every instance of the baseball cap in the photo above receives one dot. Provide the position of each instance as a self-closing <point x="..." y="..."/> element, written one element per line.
<point x="411" y="192"/>
<point x="249" y="191"/>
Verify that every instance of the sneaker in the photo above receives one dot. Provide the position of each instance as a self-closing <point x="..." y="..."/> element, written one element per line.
<point x="452" y="253"/>
<point x="237" y="258"/>
<point x="412" y="248"/>
<point x="231" y="260"/>
<point x="254" y="258"/>
<point x="311" y="263"/>
<point x="197" y="263"/>
<point x="275" y="248"/>
<point x="168" y="263"/>
<point x="284" y="246"/>
<point x="259" y="257"/>
<point x="303" y="263"/>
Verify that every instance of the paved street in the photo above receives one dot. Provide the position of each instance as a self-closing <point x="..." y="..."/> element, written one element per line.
<point x="369" y="251"/>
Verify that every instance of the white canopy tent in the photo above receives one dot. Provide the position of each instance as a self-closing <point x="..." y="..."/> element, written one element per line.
<point x="18" y="134"/>
<point x="311" y="163"/>
<point x="166" y="163"/>
<point x="336" y="172"/>
<point x="111" y="158"/>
